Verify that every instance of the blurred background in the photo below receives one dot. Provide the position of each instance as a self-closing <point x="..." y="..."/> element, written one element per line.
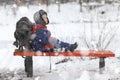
<point x="93" y="24"/>
<point x="17" y="3"/>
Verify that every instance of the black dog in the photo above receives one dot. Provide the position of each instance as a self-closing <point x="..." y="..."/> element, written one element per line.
<point x="23" y="33"/>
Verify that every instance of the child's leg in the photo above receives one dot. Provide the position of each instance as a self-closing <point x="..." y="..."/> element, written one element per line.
<point x="58" y="44"/>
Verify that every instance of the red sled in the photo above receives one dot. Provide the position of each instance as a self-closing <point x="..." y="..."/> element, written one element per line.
<point x="101" y="54"/>
<point x="77" y="53"/>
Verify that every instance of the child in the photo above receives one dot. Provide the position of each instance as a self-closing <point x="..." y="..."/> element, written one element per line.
<point x="41" y="38"/>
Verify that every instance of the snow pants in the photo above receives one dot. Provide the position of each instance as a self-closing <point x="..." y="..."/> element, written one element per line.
<point x="53" y="43"/>
<point x="57" y="43"/>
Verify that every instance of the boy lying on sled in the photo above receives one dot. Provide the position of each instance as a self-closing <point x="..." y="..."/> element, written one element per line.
<point x="41" y="39"/>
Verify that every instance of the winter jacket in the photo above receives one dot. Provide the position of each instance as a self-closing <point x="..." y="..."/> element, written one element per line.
<point x="41" y="38"/>
<point x="36" y="27"/>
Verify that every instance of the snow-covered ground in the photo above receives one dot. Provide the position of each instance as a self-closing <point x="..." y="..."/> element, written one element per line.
<point x="71" y="26"/>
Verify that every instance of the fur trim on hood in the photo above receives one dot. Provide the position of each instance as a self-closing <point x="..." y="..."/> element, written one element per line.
<point x="38" y="17"/>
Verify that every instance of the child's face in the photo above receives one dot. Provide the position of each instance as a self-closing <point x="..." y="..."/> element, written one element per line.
<point x="45" y="18"/>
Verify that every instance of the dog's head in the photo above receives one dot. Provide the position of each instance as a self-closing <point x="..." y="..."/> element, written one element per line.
<point x="23" y="31"/>
<point x="24" y="24"/>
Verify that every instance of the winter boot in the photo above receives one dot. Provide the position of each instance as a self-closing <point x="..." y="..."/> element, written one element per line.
<point x="72" y="47"/>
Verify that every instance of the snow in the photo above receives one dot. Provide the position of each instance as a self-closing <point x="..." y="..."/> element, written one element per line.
<point x="67" y="25"/>
<point x="84" y="76"/>
<point x="23" y="10"/>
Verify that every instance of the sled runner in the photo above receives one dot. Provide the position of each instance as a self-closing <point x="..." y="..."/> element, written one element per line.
<point x="77" y="53"/>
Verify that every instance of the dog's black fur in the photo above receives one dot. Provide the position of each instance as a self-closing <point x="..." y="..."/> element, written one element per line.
<point x="23" y="33"/>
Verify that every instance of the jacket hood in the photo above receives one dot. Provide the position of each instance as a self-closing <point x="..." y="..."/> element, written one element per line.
<point x="38" y="17"/>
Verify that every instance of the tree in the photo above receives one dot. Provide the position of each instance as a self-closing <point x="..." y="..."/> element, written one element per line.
<point x="104" y="38"/>
<point x="47" y="4"/>
<point x="80" y="3"/>
<point x="58" y="3"/>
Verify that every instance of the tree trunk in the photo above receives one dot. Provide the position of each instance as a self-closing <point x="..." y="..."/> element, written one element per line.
<point x="80" y="3"/>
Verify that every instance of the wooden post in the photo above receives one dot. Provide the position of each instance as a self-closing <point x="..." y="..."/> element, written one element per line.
<point x="28" y="66"/>
<point x="101" y="64"/>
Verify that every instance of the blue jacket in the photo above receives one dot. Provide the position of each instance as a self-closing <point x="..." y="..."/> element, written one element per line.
<point x="41" y="39"/>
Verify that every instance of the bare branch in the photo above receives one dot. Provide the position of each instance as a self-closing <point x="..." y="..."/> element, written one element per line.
<point x="112" y="37"/>
<point x="100" y="37"/>
<point x="84" y="38"/>
<point x="109" y="41"/>
<point x="88" y="46"/>
<point x="106" y="36"/>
